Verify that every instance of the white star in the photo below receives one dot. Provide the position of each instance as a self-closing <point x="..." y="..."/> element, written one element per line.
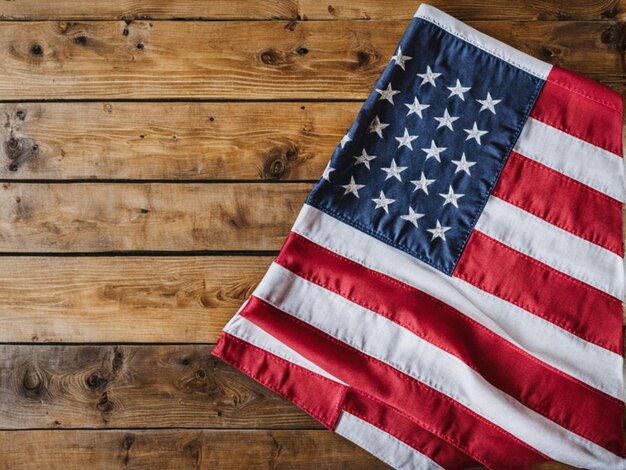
<point x="377" y="126"/>
<point x="364" y="158"/>
<point x="393" y="171"/>
<point x="434" y="151"/>
<point x="383" y="202"/>
<point x="352" y="187"/>
<point x="422" y="183"/>
<point x="345" y="139"/>
<point x="446" y="120"/>
<point x="458" y="90"/>
<point x="428" y="77"/>
<point x="474" y="133"/>
<point x="416" y="107"/>
<point x="451" y="198"/>
<point x="438" y="231"/>
<point x="327" y="171"/>
<point x="463" y="165"/>
<point x="412" y="216"/>
<point x="387" y="94"/>
<point x="406" y="139"/>
<point x="488" y="103"/>
<point x="400" y="59"/>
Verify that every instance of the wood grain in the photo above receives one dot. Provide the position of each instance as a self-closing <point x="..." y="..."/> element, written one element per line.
<point x="94" y="217"/>
<point x="123" y="299"/>
<point x="182" y="449"/>
<point x="134" y="386"/>
<point x="310" y="9"/>
<point x="254" y="60"/>
<point x="171" y="141"/>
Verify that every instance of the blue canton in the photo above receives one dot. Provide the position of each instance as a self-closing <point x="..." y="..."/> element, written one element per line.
<point x="419" y="162"/>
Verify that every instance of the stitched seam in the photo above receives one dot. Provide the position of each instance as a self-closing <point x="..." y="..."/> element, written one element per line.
<point x="568" y="180"/>
<point x="419" y="293"/>
<point x="521" y="304"/>
<point x="492" y="183"/>
<point x="427" y="427"/>
<point x="421" y="383"/>
<point x="464" y="38"/>
<point x="584" y="94"/>
<point x="567" y="277"/>
<point x="577" y="135"/>
<point x="572" y="271"/>
<point x="549" y="218"/>
<point x="277" y="388"/>
<point x="449" y="440"/>
<point x="559" y="168"/>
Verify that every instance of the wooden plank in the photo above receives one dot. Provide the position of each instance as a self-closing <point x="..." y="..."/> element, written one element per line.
<point x="123" y="299"/>
<point x="173" y="141"/>
<point x="103" y="217"/>
<point x="179" y="448"/>
<point x="309" y="9"/>
<point x="182" y="449"/>
<point x="253" y="60"/>
<point x="134" y="386"/>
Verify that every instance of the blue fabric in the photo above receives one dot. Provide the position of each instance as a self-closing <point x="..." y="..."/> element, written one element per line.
<point x="429" y="45"/>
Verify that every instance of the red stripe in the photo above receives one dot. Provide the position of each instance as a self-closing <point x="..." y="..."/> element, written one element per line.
<point x="395" y="423"/>
<point x="561" y="398"/>
<point x="581" y="107"/>
<point x="319" y="396"/>
<point x="324" y="398"/>
<point x="444" y="417"/>
<point x="562" y="201"/>
<point x="574" y="306"/>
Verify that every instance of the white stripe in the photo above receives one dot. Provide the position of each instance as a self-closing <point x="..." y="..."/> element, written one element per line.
<point x="596" y="366"/>
<point x="399" y="348"/>
<point x="580" y="160"/>
<point x="488" y="44"/>
<point x="553" y="246"/>
<point x="244" y="329"/>
<point x="383" y="445"/>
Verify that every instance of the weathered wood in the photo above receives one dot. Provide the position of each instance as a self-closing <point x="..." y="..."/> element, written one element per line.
<point x="134" y="386"/>
<point x="254" y="60"/>
<point x="173" y="141"/>
<point x="123" y="299"/>
<point x="310" y="9"/>
<point x="99" y="217"/>
<point x="182" y="449"/>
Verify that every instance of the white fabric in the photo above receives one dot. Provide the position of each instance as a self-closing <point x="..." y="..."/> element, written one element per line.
<point x="383" y="445"/>
<point x="580" y="160"/>
<point x="440" y="370"/>
<point x="596" y="366"/>
<point x="497" y="48"/>
<point x="553" y="246"/>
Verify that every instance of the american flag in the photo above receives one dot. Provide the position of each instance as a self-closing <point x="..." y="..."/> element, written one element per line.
<point x="450" y="294"/>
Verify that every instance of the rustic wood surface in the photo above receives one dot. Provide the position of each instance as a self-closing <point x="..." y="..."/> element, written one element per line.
<point x="153" y="155"/>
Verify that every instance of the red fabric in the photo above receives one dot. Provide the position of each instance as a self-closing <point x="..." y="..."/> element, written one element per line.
<point x="324" y="398"/>
<point x="581" y="107"/>
<point x="477" y="437"/>
<point x="563" y="399"/>
<point x="574" y="306"/>
<point x="318" y="396"/>
<point x="403" y="428"/>
<point x="562" y="201"/>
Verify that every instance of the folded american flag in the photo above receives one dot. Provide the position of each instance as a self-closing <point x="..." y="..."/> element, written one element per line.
<point x="450" y="294"/>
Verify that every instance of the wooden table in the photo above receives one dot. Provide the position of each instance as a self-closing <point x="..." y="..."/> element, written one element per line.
<point x="154" y="155"/>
